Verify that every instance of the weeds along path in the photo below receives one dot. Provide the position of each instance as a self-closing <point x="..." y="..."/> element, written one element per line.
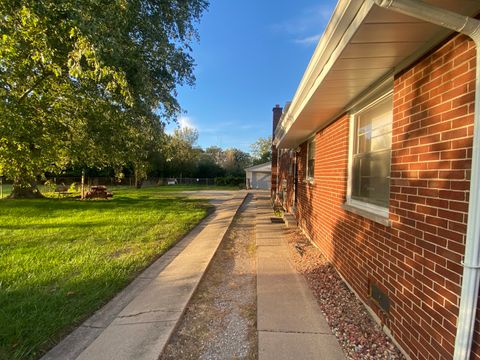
<point x="220" y="321"/>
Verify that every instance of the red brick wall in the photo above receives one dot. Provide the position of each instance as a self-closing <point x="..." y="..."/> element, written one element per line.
<point x="276" y="115"/>
<point x="416" y="260"/>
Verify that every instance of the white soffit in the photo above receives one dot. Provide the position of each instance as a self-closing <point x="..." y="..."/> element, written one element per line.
<point x="354" y="55"/>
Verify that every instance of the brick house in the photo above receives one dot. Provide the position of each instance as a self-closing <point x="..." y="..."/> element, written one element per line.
<point x="374" y="155"/>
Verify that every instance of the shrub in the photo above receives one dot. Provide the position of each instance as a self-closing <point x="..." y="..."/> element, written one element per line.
<point x="49" y="186"/>
<point x="230" y="181"/>
<point x="73" y="187"/>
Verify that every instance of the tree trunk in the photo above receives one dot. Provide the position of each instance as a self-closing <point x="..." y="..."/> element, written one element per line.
<point x="138" y="178"/>
<point x="25" y="190"/>
<point x="82" y="196"/>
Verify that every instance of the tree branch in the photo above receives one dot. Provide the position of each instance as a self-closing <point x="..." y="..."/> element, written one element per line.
<point x="38" y="82"/>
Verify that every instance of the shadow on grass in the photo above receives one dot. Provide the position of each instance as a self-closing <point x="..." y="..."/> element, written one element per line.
<point x="30" y="327"/>
<point x="51" y="206"/>
<point x="38" y="307"/>
<point x="41" y="226"/>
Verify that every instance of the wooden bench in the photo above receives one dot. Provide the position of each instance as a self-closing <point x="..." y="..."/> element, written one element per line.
<point x="98" y="192"/>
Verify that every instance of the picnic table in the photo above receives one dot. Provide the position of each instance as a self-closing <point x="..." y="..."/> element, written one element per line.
<point x="98" y="192"/>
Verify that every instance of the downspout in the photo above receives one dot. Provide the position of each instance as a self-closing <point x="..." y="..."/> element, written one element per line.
<point x="471" y="263"/>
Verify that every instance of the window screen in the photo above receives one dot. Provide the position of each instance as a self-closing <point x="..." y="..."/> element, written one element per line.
<point x="372" y="152"/>
<point x="310" y="159"/>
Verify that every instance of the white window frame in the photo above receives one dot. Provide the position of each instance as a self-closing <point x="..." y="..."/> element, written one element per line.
<point x="309" y="141"/>
<point x="374" y="212"/>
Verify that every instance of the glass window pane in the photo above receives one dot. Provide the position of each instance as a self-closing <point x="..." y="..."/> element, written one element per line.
<point x="374" y="122"/>
<point x="310" y="158"/>
<point x="311" y="150"/>
<point x="381" y="142"/>
<point x="311" y="167"/>
<point x="364" y="124"/>
<point x="377" y="115"/>
<point x="370" y="177"/>
<point x="356" y="177"/>
<point x="371" y="158"/>
<point x="364" y="141"/>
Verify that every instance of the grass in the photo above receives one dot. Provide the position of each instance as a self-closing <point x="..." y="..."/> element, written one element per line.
<point x="6" y="189"/>
<point x="61" y="259"/>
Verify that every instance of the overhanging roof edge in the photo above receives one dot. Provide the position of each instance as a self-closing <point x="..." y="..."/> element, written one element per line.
<point x="348" y="15"/>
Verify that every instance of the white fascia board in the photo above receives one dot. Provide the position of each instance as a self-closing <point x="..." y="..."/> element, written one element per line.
<point x="345" y="21"/>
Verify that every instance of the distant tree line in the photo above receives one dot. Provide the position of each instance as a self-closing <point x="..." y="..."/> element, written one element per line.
<point x="178" y="155"/>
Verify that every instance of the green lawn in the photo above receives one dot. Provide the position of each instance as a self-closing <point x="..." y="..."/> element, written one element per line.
<point x="7" y="188"/>
<point x="62" y="259"/>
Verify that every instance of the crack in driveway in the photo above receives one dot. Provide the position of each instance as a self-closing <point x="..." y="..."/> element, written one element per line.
<point x="148" y="312"/>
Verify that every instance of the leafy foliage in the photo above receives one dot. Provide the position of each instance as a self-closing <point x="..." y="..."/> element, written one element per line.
<point x="85" y="82"/>
<point x="181" y="151"/>
<point x="236" y="161"/>
<point x="180" y="156"/>
<point x="262" y="150"/>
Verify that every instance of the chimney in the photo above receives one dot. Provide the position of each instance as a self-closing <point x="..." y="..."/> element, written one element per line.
<point x="277" y="114"/>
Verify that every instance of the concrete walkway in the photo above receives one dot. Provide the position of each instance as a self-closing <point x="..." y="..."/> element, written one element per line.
<point x="290" y="324"/>
<point x="138" y="322"/>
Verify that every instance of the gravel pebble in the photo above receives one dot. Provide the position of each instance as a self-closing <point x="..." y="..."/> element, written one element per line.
<point x="358" y="334"/>
<point x="219" y="322"/>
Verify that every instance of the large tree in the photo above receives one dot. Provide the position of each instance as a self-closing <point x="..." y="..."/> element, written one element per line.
<point x="207" y="167"/>
<point x="236" y="161"/>
<point x="217" y="154"/>
<point x="182" y="152"/>
<point x="262" y="150"/>
<point x="82" y="82"/>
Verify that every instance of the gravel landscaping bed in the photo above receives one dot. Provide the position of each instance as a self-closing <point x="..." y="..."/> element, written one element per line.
<point x="220" y="320"/>
<point x="358" y="334"/>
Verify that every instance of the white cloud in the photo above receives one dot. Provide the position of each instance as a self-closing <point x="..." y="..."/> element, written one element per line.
<point x="309" y="40"/>
<point x="310" y="20"/>
<point x="186" y="122"/>
<point x="183" y="121"/>
<point x="224" y="127"/>
<point x="249" y="126"/>
<point x="218" y="126"/>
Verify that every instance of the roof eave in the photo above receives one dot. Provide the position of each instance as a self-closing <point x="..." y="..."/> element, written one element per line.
<point x="333" y="40"/>
<point x="363" y="47"/>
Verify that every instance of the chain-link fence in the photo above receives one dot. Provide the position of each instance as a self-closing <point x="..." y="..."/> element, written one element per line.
<point x="129" y="181"/>
<point x="62" y="183"/>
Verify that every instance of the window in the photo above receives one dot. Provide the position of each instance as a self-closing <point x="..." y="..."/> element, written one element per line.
<point x="310" y="159"/>
<point x="372" y="138"/>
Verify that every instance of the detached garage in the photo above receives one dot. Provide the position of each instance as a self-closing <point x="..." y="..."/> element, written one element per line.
<point x="259" y="176"/>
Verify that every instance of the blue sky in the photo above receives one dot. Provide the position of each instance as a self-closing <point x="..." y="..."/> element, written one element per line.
<point x="251" y="56"/>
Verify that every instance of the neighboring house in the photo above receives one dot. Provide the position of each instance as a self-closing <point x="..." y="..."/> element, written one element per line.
<point x="258" y="176"/>
<point x="374" y="158"/>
